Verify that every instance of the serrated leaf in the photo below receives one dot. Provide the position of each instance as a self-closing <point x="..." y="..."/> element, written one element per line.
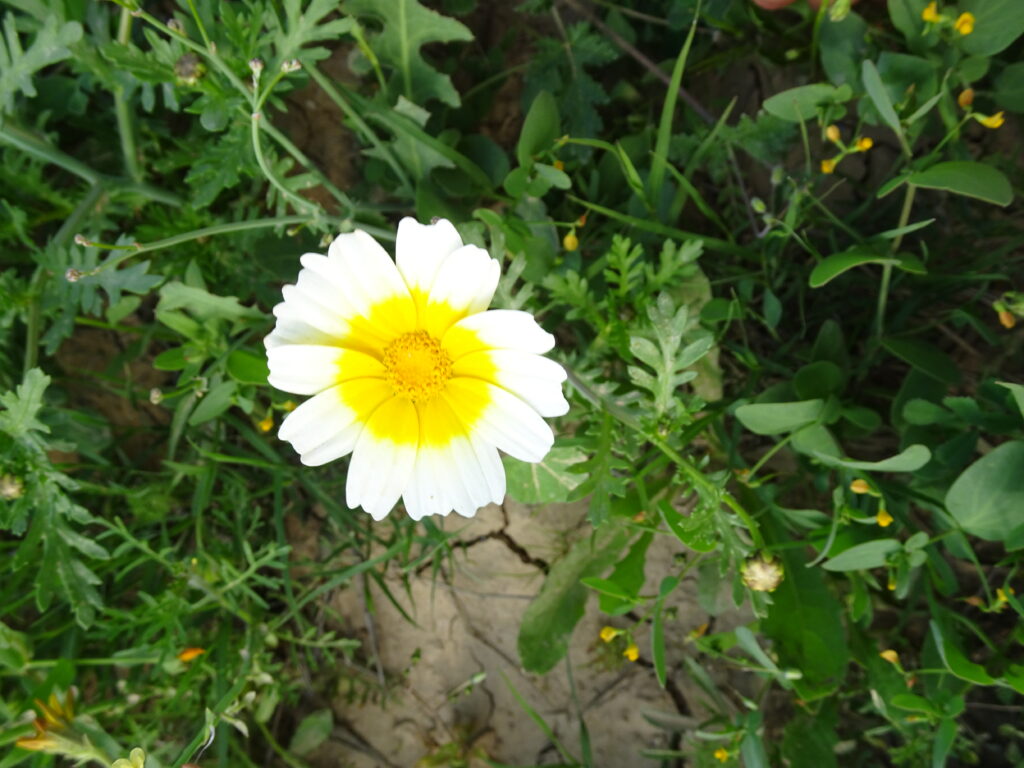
<point x="304" y="24"/>
<point x="17" y="65"/>
<point x="220" y="165"/>
<point x="406" y="26"/>
<point x="22" y="406"/>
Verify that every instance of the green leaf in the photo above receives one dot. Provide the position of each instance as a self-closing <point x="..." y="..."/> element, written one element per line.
<point x="668" y="585"/>
<point x="247" y="368"/>
<point x="955" y="659"/>
<point x="801" y="103"/>
<point x="805" y="621"/>
<point x="818" y="380"/>
<point x="213" y="403"/>
<point x="987" y="499"/>
<point x="313" y="731"/>
<point x="924" y="357"/>
<point x="550" y="619"/>
<point x="22" y="406"/>
<point x="775" y="418"/>
<point x="17" y="65"/>
<point x="1017" y="390"/>
<point x="406" y="26"/>
<point x="1010" y="88"/>
<point x="696" y="530"/>
<point x="880" y="96"/>
<point x="627" y="577"/>
<point x="547" y="481"/>
<point x="976" y="180"/>
<point x="859" y="557"/>
<point x="220" y="165"/>
<point x="304" y="24"/>
<point x="833" y="266"/>
<point x="541" y="129"/>
<point x="997" y="23"/>
<point x="909" y="460"/>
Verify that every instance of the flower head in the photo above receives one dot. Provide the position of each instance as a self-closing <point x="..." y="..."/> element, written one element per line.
<point x="266" y="424"/>
<point x="860" y="486"/>
<point x="632" y="652"/>
<point x="828" y="166"/>
<point x="570" y="242"/>
<point x="410" y="373"/>
<point x="991" y="121"/>
<point x="930" y="13"/>
<point x="609" y="633"/>
<point x="832" y="134"/>
<point x="966" y="98"/>
<point x="891" y="656"/>
<point x="722" y="755"/>
<point x="883" y="518"/>
<point x="762" y="574"/>
<point x="864" y="143"/>
<point x="964" y="23"/>
<point x="189" y="654"/>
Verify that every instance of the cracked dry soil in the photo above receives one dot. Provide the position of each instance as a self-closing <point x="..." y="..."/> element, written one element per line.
<point x="448" y="675"/>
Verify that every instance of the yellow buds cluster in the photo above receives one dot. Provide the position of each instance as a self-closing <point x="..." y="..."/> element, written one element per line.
<point x="883" y="518"/>
<point x="964" y="23"/>
<point x="833" y="134"/>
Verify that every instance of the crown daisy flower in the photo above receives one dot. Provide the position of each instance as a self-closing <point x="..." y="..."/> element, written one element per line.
<point x="411" y="373"/>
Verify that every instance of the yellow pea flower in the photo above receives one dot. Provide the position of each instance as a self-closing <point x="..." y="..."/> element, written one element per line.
<point x="930" y="13"/>
<point x="883" y="518"/>
<point x="891" y="656"/>
<point x="864" y="144"/>
<point x="828" y="166"/>
<point x="991" y="121"/>
<point x="632" y="652"/>
<point x="964" y="23"/>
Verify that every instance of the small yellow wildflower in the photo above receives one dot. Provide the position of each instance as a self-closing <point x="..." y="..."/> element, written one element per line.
<point x="699" y="631"/>
<point x="966" y="98"/>
<point x="55" y="718"/>
<point x="609" y="633"/>
<point x="137" y="759"/>
<point x="832" y="134"/>
<point x="991" y="121"/>
<point x="632" y="652"/>
<point x="930" y="13"/>
<point x="883" y="518"/>
<point x="864" y="143"/>
<point x="559" y="165"/>
<point x="189" y="654"/>
<point x="964" y="23"/>
<point x="891" y="656"/>
<point x="1007" y="319"/>
<point x="722" y="755"/>
<point x="266" y="424"/>
<point x="860" y="486"/>
<point x="570" y="242"/>
<point x="828" y="166"/>
<point x="288" y="406"/>
<point x="1001" y="594"/>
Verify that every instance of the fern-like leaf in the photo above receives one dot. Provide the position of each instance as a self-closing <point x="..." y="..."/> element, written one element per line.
<point x="17" y="65"/>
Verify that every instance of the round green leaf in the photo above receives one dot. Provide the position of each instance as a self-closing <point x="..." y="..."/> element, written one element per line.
<point x="1010" y="88"/>
<point x="987" y="500"/>
<point x="997" y="23"/>
<point x="773" y="418"/>
<point x="969" y="179"/>
<point x="870" y="554"/>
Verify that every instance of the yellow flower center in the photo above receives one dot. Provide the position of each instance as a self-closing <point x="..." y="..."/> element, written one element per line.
<point x="417" y="366"/>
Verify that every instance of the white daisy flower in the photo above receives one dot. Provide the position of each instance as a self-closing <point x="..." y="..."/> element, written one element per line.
<point x="411" y="373"/>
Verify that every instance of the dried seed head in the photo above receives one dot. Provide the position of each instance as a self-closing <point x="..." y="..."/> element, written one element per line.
<point x="73" y="275"/>
<point x="762" y="574"/>
<point x="11" y="488"/>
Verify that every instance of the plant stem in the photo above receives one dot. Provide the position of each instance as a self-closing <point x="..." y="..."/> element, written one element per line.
<point x="300" y="203"/>
<point x="125" y="125"/>
<point x="46" y="152"/>
<point x="883" y="289"/>
<point x="298" y="154"/>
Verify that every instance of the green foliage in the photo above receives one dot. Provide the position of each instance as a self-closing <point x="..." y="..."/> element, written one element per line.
<point x="787" y="319"/>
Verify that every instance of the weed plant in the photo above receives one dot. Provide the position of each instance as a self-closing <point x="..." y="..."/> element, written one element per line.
<point x="780" y="256"/>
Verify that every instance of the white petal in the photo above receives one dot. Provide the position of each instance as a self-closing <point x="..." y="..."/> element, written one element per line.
<point x="425" y="494"/>
<point x="292" y="329"/>
<point x="464" y="284"/>
<point x="326" y="426"/>
<point x="420" y="249"/>
<point x="497" y="329"/>
<point x="500" y="418"/>
<point x="301" y="306"/>
<point x="307" y="369"/>
<point x="491" y="466"/>
<point x="532" y="378"/>
<point x="381" y="467"/>
<point x="365" y="269"/>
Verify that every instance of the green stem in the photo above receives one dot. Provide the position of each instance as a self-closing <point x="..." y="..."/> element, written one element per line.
<point x="334" y="94"/>
<point x="46" y="152"/>
<point x="883" y="289"/>
<point x="297" y="153"/>
<point x="125" y="124"/>
<point x="300" y="203"/>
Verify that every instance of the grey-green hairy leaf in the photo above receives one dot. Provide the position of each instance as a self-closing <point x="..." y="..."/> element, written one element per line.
<point x="17" y="65"/>
<point x="546" y="481"/>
